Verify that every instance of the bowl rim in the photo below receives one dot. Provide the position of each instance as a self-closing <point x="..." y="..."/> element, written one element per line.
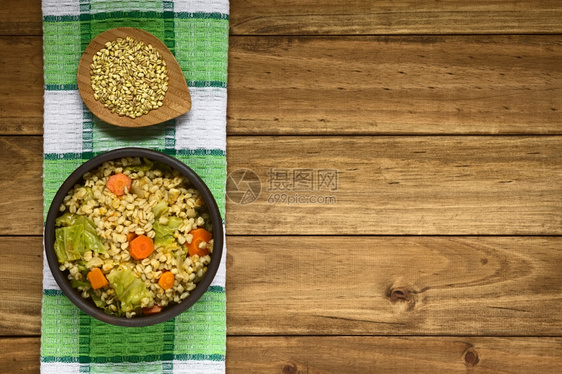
<point x="87" y="305"/>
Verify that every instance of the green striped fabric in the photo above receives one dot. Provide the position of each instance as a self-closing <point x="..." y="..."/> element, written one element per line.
<point x="196" y="31"/>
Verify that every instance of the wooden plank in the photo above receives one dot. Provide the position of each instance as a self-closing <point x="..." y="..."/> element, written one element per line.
<point x="21" y="208"/>
<point x="295" y="17"/>
<point x="396" y="185"/>
<point x="362" y="185"/>
<point x="20" y="355"/>
<point x="21" y="85"/>
<point x="394" y="285"/>
<point x="21" y="268"/>
<point x="356" y="355"/>
<point x="283" y="285"/>
<point x="20" y="17"/>
<point x="395" y="85"/>
<point x="352" y="17"/>
<point x="342" y="85"/>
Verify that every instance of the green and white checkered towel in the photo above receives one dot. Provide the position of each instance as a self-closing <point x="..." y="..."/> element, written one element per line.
<point x="196" y="31"/>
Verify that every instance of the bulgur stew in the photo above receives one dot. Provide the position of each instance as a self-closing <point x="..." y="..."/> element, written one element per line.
<point x="135" y="236"/>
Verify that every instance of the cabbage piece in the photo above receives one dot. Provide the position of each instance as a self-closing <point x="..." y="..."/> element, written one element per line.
<point x="136" y="188"/>
<point x="160" y="209"/>
<point x="129" y="288"/>
<point x="71" y="242"/>
<point x="76" y="283"/>
<point x="164" y="234"/>
<point x="64" y="244"/>
<point x="97" y="300"/>
<point x="180" y="258"/>
<point x="162" y="167"/>
<point x="146" y="165"/>
<point x="102" y="305"/>
<point x="66" y="219"/>
<point x="91" y="240"/>
<point x="81" y="265"/>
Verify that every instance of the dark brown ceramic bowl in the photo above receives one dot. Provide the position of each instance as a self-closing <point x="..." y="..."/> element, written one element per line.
<point x="87" y="305"/>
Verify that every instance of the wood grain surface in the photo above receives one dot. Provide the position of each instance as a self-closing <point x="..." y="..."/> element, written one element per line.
<point x="21" y="264"/>
<point x="395" y="85"/>
<point x="20" y="355"/>
<point x="355" y="355"/>
<point x="359" y="355"/>
<point x="440" y="250"/>
<point x="21" y="184"/>
<point x="20" y="17"/>
<point x="385" y="185"/>
<point x="297" y="17"/>
<point x="353" y="85"/>
<point x="366" y="17"/>
<point x="21" y="85"/>
<point x="279" y="285"/>
<point x="394" y="285"/>
<point x="400" y="185"/>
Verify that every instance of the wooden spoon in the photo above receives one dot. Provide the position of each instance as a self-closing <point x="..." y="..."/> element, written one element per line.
<point x="177" y="100"/>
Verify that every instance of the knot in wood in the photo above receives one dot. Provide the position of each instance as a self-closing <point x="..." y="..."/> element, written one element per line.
<point x="471" y="358"/>
<point x="289" y="369"/>
<point x="402" y="296"/>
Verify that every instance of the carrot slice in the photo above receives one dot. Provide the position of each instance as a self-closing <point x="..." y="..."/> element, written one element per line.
<point x="117" y="183"/>
<point x="166" y="280"/>
<point x="141" y="247"/>
<point x="199" y="235"/>
<point x="97" y="279"/>
<point x="131" y="236"/>
<point x="153" y="310"/>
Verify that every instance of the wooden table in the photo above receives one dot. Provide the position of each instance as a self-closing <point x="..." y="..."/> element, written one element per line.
<point x="429" y="237"/>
